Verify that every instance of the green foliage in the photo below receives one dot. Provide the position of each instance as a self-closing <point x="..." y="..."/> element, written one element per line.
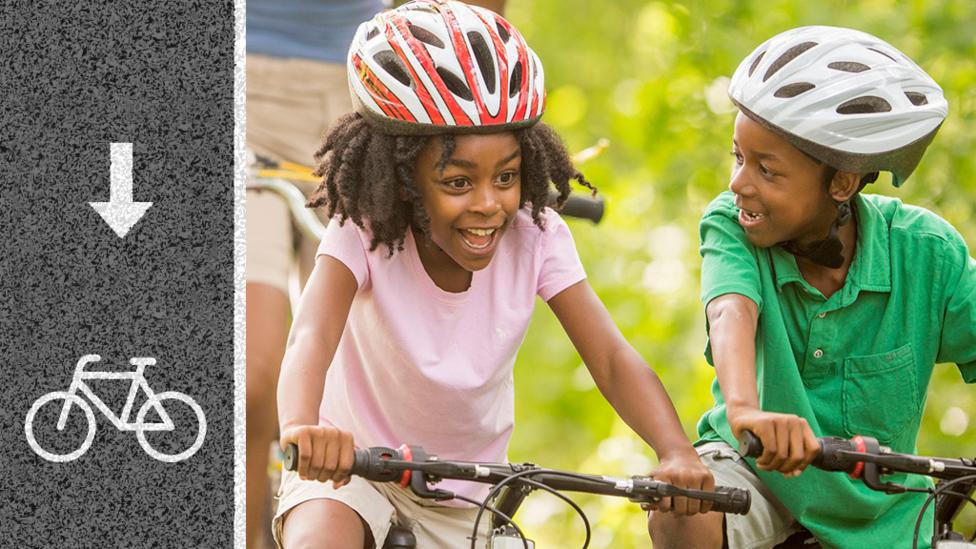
<point x="651" y="77"/>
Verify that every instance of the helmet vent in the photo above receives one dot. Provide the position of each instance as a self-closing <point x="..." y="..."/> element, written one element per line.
<point x="787" y="56"/>
<point x="917" y="99"/>
<point x="418" y="6"/>
<point x="425" y="36"/>
<point x="392" y="65"/>
<point x="372" y="33"/>
<point x="516" y="83"/>
<point x="884" y="54"/>
<point x="848" y="66"/>
<point x="455" y="84"/>
<point x="502" y="31"/>
<point x="755" y="62"/>
<point x="483" y="55"/>
<point x="793" y="90"/>
<point x="864" y="104"/>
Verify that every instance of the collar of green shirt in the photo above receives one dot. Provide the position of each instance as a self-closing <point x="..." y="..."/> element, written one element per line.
<point x="871" y="269"/>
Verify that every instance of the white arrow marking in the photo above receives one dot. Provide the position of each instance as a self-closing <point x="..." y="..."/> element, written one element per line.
<point x="120" y="212"/>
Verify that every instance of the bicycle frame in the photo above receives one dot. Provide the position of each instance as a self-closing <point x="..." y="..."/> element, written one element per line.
<point x="120" y="421"/>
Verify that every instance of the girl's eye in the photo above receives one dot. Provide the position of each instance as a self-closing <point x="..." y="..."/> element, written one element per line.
<point x="738" y="157"/>
<point x="765" y="171"/>
<point x="507" y="178"/>
<point x="457" y="184"/>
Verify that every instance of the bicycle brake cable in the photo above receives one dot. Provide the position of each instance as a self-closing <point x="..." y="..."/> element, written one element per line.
<point x="941" y="490"/>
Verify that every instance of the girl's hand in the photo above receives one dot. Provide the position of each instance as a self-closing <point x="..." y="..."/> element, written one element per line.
<point x="324" y="453"/>
<point x="685" y="470"/>
<point x="789" y="444"/>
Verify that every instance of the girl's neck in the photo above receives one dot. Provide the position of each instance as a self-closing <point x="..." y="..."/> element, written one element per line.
<point x="442" y="270"/>
<point x="825" y="279"/>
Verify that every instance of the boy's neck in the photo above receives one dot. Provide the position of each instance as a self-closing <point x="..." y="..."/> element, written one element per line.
<point x="825" y="279"/>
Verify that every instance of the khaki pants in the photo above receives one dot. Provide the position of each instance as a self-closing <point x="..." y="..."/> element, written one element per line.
<point x="291" y="104"/>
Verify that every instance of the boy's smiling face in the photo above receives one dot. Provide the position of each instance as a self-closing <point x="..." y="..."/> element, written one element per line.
<point x="780" y="191"/>
<point x="474" y="198"/>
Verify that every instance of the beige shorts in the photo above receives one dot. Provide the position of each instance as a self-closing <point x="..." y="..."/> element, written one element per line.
<point x="768" y="522"/>
<point x="381" y="505"/>
<point x="291" y="104"/>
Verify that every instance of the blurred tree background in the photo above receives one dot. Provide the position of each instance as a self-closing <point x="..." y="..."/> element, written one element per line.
<point x="652" y="77"/>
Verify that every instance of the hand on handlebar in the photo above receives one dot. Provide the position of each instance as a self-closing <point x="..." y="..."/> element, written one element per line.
<point x="789" y="444"/>
<point x="684" y="470"/>
<point x="324" y="453"/>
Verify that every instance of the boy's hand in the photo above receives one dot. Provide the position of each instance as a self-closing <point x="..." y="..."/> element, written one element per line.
<point x="685" y="470"/>
<point x="789" y="444"/>
<point x="324" y="453"/>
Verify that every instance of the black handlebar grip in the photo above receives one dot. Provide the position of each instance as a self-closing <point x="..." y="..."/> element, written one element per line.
<point x="581" y="206"/>
<point x="736" y="500"/>
<point x="749" y="444"/>
<point x="832" y="458"/>
<point x="584" y="207"/>
<point x="360" y="462"/>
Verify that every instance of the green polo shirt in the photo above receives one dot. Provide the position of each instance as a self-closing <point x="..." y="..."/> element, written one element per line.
<point x="857" y="363"/>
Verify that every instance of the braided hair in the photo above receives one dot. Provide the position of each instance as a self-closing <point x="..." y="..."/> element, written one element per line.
<point x="359" y="181"/>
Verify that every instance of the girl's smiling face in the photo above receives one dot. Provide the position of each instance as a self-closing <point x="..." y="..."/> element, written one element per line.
<point x="780" y="192"/>
<point x="471" y="200"/>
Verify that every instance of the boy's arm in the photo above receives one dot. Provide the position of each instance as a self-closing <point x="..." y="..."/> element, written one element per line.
<point x="958" y="342"/>
<point x="633" y="389"/>
<point x="324" y="453"/>
<point x="788" y="442"/>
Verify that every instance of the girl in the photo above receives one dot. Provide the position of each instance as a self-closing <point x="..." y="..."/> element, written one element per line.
<point x="827" y="309"/>
<point x="425" y="282"/>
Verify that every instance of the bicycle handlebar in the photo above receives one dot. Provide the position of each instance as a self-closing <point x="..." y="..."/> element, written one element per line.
<point x="850" y="456"/>
<point x="381" y="464"/>
<point x="581" y="206"/>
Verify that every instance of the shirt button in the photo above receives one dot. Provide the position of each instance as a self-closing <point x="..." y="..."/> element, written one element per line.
<point x="818" y="353"/>
<point x="821" y="315"/>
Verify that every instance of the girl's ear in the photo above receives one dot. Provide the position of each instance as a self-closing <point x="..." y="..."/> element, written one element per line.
<point x="844" y="185"/>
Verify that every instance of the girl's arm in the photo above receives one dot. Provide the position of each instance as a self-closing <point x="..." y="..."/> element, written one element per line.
<point x="325" y="453"/>
<point x="789" y="443"/>
<point x="633" y="389"/>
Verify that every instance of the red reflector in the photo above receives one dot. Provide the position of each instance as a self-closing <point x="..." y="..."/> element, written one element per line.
<point x="407" y="456"/>
<point x="860" y="445"/>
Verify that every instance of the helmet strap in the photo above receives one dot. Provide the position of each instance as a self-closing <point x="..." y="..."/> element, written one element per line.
<point x="828" y="251"/>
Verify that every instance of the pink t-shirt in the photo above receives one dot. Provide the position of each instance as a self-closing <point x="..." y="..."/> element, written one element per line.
<point x="422" y="366"/>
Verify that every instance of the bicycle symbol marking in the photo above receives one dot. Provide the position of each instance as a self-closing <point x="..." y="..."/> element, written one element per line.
<point x="121" y="421"/>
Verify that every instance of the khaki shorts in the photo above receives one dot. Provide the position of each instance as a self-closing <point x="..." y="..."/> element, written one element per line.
<point x="381" y="505"/>
<point x="291" y="104"/>
<point x="768" y="522"/>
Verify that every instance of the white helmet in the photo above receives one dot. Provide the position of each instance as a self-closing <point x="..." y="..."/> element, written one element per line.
<point x="435" y="66"/>
<point x="843" y="96"/>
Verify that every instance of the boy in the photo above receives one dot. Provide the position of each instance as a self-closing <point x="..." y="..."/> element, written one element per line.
<point x="826" y="309"/>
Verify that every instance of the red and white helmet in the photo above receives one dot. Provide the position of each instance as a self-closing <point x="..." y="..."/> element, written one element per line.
<point x="434" y="66"/>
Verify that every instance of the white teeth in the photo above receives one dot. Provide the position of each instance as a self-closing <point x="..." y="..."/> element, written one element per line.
<point x="481" y="232"/>
<point x="476" y="246"/>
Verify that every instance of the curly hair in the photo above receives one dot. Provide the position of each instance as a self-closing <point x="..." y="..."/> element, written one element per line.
<point x="359" y="181"/>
